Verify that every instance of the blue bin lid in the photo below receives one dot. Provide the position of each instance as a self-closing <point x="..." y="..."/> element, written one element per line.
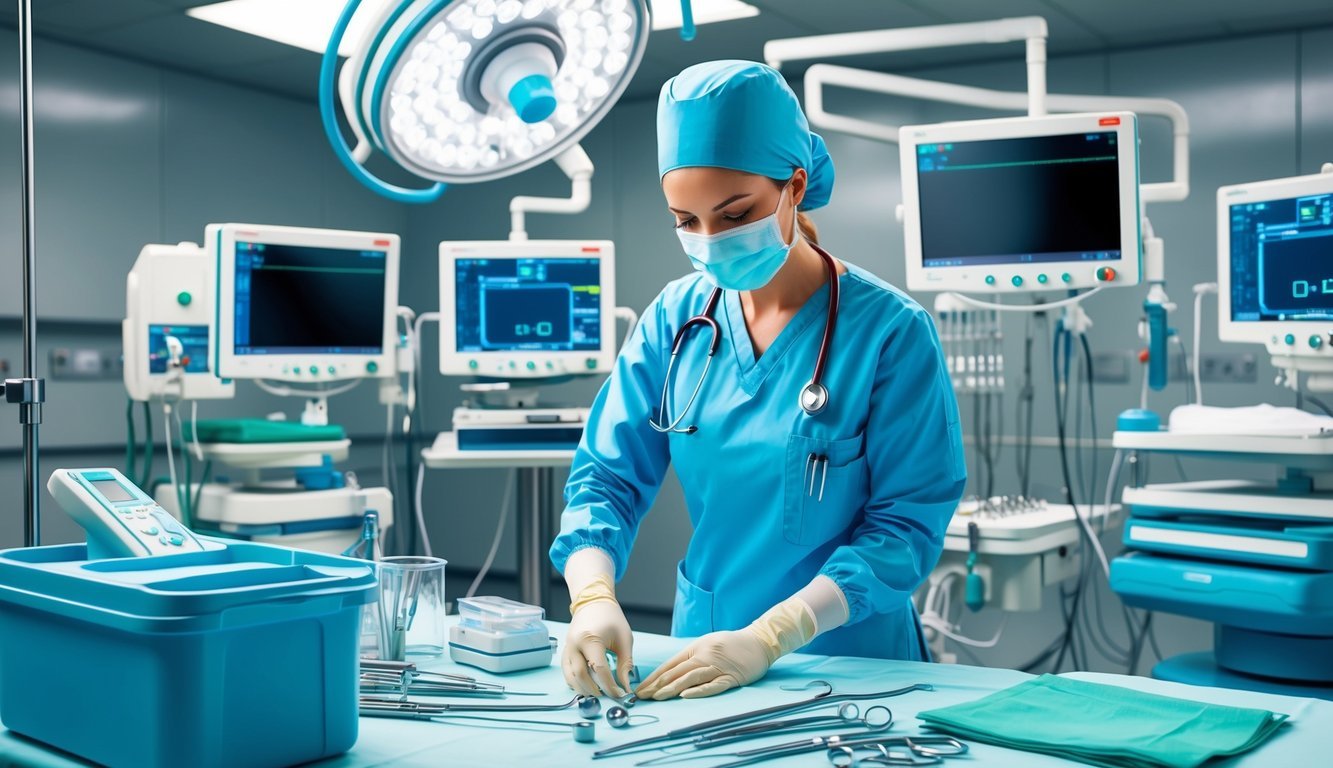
<point x="231" y="584"/>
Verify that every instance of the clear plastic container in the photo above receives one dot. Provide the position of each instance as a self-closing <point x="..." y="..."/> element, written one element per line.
<point x="501" y="615"/>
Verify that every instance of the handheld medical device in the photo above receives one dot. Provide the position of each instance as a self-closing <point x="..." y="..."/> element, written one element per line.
<point x="1275" y="271"/>
<point x="527" y="310"/>
<point x="168" y="333"/>
<point x="304" y="305"/>
<point x="1022" y="204"/>
<point x="120" y="519"/>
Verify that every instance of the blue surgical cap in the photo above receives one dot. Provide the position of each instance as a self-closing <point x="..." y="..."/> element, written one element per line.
<point x="740" y="115"/>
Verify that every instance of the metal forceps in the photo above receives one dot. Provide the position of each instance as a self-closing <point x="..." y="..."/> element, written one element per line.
<point x="877" y="718"/>
<point x="898" y="750"/>
<point x="699" y="729"/>
<point x="392" y="706"/>
<point x="787" y="749"/>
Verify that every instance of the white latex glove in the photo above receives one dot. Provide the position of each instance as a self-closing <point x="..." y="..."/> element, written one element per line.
<point x="720" y="661"/>
<point x="597" y="625"/>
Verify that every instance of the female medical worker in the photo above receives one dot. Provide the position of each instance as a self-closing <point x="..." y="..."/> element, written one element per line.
<point x="809" y="527"/>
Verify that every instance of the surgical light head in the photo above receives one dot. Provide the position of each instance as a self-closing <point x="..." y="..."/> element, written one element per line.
<point x="464" y="91"/>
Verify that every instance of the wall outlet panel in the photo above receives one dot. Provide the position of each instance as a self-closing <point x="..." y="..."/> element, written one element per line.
<point x="85" y="364"/>
<point x="1218" y="368"/>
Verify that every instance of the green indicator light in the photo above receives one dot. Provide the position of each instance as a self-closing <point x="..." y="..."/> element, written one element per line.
<point x="184" y="298"/>
<point x="1291" y="339"/>
<point x="1016" y="280"/>
<point x="1066" y="277"/>
<point x="1042" y="278"/>
<point x="990" y="279"/>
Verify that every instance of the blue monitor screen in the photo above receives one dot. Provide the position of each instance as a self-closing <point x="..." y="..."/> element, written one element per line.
<point x="293" y="299"/>
<point x="1018" y="201"/>
<point x="537" y="304"/>
<point x="1282" y="259"/>
<point x="194" y="339"/>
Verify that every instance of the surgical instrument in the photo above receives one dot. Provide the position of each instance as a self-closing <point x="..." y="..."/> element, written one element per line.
<point x="845" y="741"/>
<point x="899" y="750"/>
<point x="585" y="731"/>
<point x="877" y="718"/>
<point x="401" y="677"/>
<point x="589" y="706"/>
<point x="619" y="717"/>
<point x="699" y="729"/>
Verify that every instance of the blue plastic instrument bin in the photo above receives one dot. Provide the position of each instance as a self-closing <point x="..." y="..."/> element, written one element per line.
<point x="245" y="655"/>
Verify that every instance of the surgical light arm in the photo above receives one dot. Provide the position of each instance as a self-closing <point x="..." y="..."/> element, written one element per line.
<point x="1036" y="101"/>
<point x="578" y="167"/>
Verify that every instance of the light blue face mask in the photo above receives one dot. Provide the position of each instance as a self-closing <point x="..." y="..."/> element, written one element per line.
<point x="741" y="259"/>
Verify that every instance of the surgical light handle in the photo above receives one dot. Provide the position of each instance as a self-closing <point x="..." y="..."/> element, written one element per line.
<point x="328" y="114"/>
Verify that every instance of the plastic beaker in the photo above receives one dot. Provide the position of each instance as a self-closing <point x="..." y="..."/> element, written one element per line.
<point x="411" y="607"/>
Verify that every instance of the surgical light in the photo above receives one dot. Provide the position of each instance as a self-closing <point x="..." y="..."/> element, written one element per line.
<point x="466" y="91"/>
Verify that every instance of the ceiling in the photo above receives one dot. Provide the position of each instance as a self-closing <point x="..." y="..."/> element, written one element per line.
<point x="159" y="32"/>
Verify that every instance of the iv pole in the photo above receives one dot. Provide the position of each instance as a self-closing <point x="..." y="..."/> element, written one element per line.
<point x="29" y="392"/>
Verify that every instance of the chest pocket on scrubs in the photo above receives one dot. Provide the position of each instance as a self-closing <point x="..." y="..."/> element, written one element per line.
<point x="826" y="488"/>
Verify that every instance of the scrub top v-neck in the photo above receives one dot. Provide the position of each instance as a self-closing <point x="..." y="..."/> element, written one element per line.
<point x="860" y="492"/>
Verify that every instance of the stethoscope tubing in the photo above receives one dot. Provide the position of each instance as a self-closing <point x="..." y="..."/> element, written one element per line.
<point x="707" y="319"/>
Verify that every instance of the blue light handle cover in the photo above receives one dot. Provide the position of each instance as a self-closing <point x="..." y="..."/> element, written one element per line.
<point x="1158" y="334"/>
<point x="686" y="20"/>
<point x="328" y="93"/>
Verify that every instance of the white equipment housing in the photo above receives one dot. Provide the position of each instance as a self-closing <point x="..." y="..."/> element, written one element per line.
<point x="930" y="152"/>
<point x="317" y="250"/>
<point x="1299" y="336"/>
<point x="170" y="294"/>
<point x="522" y="353"/>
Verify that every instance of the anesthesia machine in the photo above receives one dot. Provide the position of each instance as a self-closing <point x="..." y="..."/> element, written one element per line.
<point x="1253" y="558"/>
<point x="281" y="306"/>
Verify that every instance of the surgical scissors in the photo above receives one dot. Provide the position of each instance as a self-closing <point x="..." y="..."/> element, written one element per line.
<point x="898" y="750"/>
<point x="800" y="747"/>
<point x="724" y="723"/>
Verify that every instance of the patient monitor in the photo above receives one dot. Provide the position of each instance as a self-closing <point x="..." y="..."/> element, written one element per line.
<point x="1022" y="204"/>
<point x="1275" y="272"/>
<point x="304" y="305"/>
<point x="527" y="309"/>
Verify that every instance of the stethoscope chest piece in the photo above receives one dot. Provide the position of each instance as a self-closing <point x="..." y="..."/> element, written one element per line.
<point x="814" y="397"/>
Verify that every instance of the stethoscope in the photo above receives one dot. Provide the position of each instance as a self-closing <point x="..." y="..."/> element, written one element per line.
<point x="814" y="395"/>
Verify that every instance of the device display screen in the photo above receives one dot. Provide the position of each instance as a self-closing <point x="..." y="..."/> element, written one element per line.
<point x="1282" y="259"/>
<point x="112" y="490"/>
<point x="194" y="340"/>
<point x="539" y="304"/>
<point x="1017" y="201"/>
<point x="293" y="299"/>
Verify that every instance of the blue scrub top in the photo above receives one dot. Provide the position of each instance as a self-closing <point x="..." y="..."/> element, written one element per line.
<point x="895" y="468"/>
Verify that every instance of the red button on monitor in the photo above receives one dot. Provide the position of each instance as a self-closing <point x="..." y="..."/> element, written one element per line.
<point x="1106" y="274"/>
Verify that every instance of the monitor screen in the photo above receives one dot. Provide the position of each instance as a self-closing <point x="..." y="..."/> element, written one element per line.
<point x="1282" y="259"/>
<point x="194" y="339"/>
<point x="112" y="490"/>
<point x="1020" y="200"/>
<point x="297" y="299"/>
<point x="544" y="304"/>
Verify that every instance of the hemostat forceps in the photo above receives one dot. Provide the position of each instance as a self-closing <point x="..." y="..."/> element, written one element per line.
<point x="745" y="718"/>
<point x="898" y="750"/>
